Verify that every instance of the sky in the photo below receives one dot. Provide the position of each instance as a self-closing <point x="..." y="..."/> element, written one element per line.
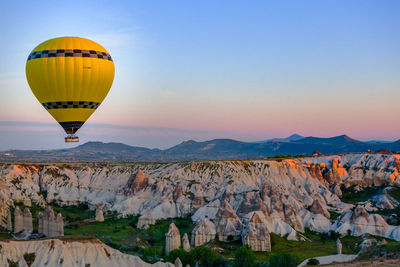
<point x="248" y="70"/>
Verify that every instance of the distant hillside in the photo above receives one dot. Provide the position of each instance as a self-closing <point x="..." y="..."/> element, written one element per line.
<point x="293" y="137"/>
<point x="207" y="150"/>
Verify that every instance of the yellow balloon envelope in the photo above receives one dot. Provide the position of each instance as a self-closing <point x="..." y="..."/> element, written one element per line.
<point x="70" y="76"/>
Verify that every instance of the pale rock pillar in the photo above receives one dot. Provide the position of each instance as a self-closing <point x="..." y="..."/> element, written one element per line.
<point x="178" y="262"/>
<point x="28" y="226"/>
<point x="172" y="238"/>
<point x="18" y="220"/>
<point x="9" y="221"/>
<point x="338" y="246"/>
<point x="185" y="242"/>
<point x="99" y="215"/>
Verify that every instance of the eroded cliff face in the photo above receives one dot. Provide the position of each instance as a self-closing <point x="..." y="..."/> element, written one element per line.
<point x="55" y="252"/>
<point x="283" y="191"/>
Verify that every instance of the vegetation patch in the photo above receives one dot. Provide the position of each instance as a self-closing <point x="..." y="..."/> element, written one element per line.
<point x="29" y="258"/>
<point x="350" y="195"/>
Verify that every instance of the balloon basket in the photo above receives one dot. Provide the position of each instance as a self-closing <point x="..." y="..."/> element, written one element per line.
<point x="71" y="139"/>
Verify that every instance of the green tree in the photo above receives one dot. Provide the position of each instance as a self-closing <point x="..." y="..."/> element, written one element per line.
<point x="29" y="258"/>
<point x="244" y="257"/>
<point x="183" y="255"/>
<point x="206" y="257"/>
<point x="284" y="259"/>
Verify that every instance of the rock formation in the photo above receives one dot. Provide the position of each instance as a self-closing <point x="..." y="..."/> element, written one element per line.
<point x="136" y="182"/>
<point x="55" y="252"/>
<point x="9" y="221"/>
<point x="28" y="226"/>
<point x="360" y="222"/>
<point x="256" y="234"/>
<point x="185" y="242"/>
<point x="382" y="201"/>
<point x="285" y="188"/>
<point x="172" y="238"/>
<point x="146" y="219"/>
<point x="178" y="262"/>
<point x="338" y="246"/>
<point x="203" y="233"/>
<point x="229" y="226"/>
<point x="18" y="220"/>
<point x="318" y="208"/>
<point x="99" y="215"/>
<point x="49" y="224"/>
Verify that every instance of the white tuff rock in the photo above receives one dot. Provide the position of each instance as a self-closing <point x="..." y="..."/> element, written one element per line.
<point x="172" y="238"/>
<point x="203" y="232"/>
<point x="54" y="252"/>
<point x="146" y="219"/>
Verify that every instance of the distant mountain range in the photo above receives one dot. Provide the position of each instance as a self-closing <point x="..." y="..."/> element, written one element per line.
<point x="207" y="150"/>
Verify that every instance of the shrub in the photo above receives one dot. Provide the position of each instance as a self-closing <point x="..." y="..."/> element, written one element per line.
<point x="244" y="257"/>
<point x="284" y="259"/>
<point x="334" y="235"/>
<point x="205" y="256"/>
<point x="182" y="254"/>
<point x="29" y="258"/>
<point x="313" y="262"/>
<point x="12" y="263"/>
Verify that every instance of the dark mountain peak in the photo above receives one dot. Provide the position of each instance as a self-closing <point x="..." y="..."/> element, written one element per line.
<point x="293" y="137"/>
<point x="334" y="140"/>
<point x="346" y="138"/>
<point x="188" y="142"/>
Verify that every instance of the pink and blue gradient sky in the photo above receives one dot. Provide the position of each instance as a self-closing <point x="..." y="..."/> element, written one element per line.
<point x="248" y="70"/>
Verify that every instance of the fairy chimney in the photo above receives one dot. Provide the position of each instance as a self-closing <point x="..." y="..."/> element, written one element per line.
<point x="203" y="233"/>
<point x="18" y="220"/>
<point x="146" y="219"/>
<point x="172" y="238"/>
<point x="185" y="242"/>
<point x="28" y="226"/>
<point x="256" y="235"/>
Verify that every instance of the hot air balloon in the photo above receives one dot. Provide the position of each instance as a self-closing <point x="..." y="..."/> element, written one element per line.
<point x="70" y="76"/>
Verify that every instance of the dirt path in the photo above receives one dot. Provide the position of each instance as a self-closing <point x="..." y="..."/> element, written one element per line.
<point x="332" y="258"/>
<point x="369" y="263"/>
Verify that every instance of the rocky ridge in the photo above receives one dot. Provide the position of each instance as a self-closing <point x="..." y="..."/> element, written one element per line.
<point x="290" y="195"/>
<point x="54" y="252"/>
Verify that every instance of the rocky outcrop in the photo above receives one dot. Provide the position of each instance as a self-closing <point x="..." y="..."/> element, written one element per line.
<point x="27" y="217"/>
<point x="49" y="224"/>
<point x="318" y="208"/>
<point x="229" y="226"/>
<point x="146" y="219"/>
<point x="136" y="183"/>
<point x="172" y="238"/>
<point x="382" y="201"/>
<point x="99" y="215"/>
<point x="9" y="221"/>
<point x="360" y="222"/>
<point x="18" y="220"/>
<point x="54" y="252"/>
<point x="256" y="234"/>
<point x="338" y="246"/>
<point x="185" y="242"/>
<point x="281" y="190"/>
<point x="203" y="232"/>
<point x="178" y="262"/>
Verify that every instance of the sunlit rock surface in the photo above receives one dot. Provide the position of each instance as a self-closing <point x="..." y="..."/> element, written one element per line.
<point x="54" y="252"/>
<point x="292" y="194"/>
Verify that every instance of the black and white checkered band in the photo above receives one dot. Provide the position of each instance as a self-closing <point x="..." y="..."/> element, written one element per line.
<point x="69" y="53"/>
<point x="71" y="104"/>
